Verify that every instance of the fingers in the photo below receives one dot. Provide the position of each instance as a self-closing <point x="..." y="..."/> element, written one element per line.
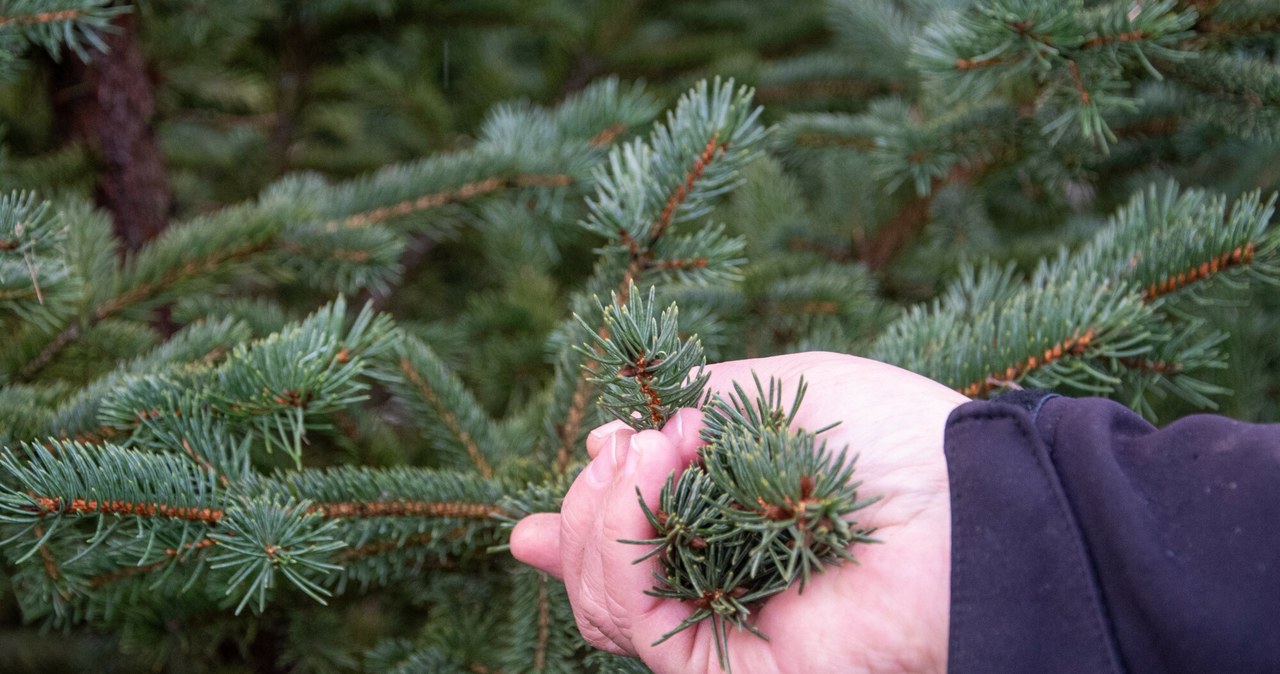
<point x="602" y="434"/>
<point x="639" y="619"/>
<point x="605" y="586"/>
<point x="536" y="542"/>
<point x="684" y="430"/>
<point x="536" y="539"/>
<point x="582" y="544"/>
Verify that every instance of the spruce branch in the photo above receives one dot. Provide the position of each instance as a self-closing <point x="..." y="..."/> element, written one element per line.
<point x="645" y="191"/>
<point x="41" y="17"/>
<point x="395" y="520"/>
<point x="173" y="555"/>
<point x="1098" y="319"/>
<point x="543" y="630"/>
<point x="1234" y="21"/>
<point x="903" y="145"/>
<point x="400" y="656"/>
<point x="644" y="362"/>
<point x="50" y="490"/>
<point x="200" y="253"/>
<point x="314" y="528"/>
<point x="1169" y="241"/>
<point x="36" y="283"/>
<point x="55" y="24"/>
<point x="405" y="508"/>
<point x="441" y="403"/>
<point x="544" y="624"/>
<point x="262" y="538"/>
<point x="459" y="194"/>
<point x="273" y="390"/>
<point x="202" y="343"/>
<point x="351" y="235"/>
<point x="371" y="549"/>
<point x="77" y="479"/>
<point x="1075" y="57"/>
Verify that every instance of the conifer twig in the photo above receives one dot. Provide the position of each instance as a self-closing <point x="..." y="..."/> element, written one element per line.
<point x="118" y="304"/>
<point x="406" y="508"/>
<point x="131" y="570"/>
<point x="544" y="624"/>
<point x="1147" y="365"/>
<point x="823" y="88"/>
<point x="46" y="558"/>
<point x="447" y="416"/>
<point x="911" y="219"/>
<point x="1072" y="346"/>
<point x="393" y="545"/>
<point x="1209" y="26"/>
<point x="46" y="505"/>
<point x="1240" y="256"/>
<point x="458" y="194"/>
<point x="41" y="17"/>
<point x="607" y="135"/>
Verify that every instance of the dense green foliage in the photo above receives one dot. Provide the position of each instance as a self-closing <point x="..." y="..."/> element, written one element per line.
<point x="287" y="434"/>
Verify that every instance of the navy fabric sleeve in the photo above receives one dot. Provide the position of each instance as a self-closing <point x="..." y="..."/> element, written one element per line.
<point x="1086" y="540"/>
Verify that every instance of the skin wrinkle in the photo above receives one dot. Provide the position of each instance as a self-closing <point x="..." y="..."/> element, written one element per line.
<point x="616" y="610"/>
<point x="593" y="590"/>
<point x="576" y="523"/>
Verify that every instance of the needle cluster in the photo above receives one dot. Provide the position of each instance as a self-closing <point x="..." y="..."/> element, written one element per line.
<point x="766" y="505"/>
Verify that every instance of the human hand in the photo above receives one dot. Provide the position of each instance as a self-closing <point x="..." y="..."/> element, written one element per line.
<point x="888" y="613"/>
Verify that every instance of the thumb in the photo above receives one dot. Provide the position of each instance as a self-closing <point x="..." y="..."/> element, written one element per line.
<point x="535" y="540"/>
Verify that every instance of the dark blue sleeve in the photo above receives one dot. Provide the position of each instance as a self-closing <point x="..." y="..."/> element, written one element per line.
<point x="1086" y="540"/>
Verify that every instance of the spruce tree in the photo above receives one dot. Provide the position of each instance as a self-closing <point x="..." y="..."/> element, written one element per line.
<point x="290" y="432"/>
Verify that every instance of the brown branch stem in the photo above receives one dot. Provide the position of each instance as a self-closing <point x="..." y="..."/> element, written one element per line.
<point x="138" y="570"/>
<point x="1074" y="346"/>
<point x="41" y="17"/>
<point x="45" y="505"/>
<point x="118" y="304"/>
<point x="1163" y="367"/>
<point x="544" y="625"/>
<point x="406" y="508"/>
<point x="607" y="135"/>
<point x="447" y="416"/>
<point x="458" y="194"/>
<point x="382" y="547"/>
<point x="894" y="235"/>
<point x="685" y="263"/>
<point x="46" y="557"/>
<point x="1242" y="255"/>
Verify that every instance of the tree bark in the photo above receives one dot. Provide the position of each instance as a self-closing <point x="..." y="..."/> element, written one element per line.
<point x="109" y="105"/>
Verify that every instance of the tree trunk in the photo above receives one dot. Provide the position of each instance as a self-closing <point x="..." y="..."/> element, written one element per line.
<point x="108" y="104"/>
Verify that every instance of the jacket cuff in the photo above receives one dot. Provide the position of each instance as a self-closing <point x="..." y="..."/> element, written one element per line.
<point x="1023" y="594"/>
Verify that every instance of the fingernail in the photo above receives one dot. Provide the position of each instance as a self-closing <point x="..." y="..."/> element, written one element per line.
<point x="633" y="458"/>
<point x="677" y="424"/>
<point x="602" y="468"/>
